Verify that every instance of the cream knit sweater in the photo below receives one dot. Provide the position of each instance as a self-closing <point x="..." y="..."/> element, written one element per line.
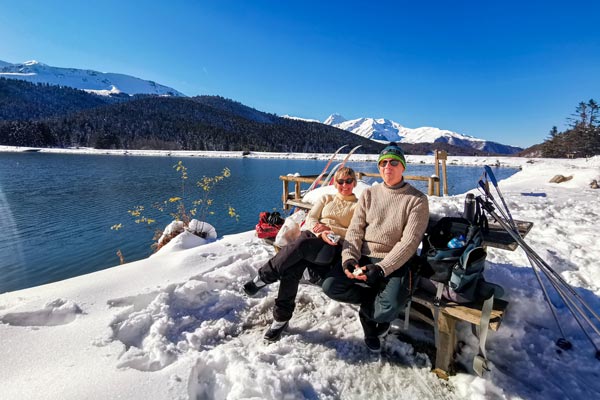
<point x="388" y="223"/>
<point x="333" y="210"/>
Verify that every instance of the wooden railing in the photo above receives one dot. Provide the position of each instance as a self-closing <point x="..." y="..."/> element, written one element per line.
<point x="433" y="182"/>
<point x="294" y="199"/>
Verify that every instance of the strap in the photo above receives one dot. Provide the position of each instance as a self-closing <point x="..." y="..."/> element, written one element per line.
<point x="436" y="310"/>
<point x="407" y="314"/>
<point x="480" y="360"/>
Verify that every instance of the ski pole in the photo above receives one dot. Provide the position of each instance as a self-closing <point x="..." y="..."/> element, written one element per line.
<point x="543" y="263"/>
<point x="540" y="262"/>
<point x="562" y="341"/>
<point x="490" y="173"/>
<point x="574" y="309"/>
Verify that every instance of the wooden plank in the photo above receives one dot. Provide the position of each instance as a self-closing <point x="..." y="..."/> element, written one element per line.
<point x="499" y="238"/>
<point x="464" y="312"/>
<point x="298" y="203"/>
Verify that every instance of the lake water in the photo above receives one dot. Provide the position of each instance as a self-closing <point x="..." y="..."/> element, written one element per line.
<point x="56" y="210"/>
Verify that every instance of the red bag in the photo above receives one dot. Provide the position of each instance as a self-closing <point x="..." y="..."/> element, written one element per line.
<point x="268" y="225"/>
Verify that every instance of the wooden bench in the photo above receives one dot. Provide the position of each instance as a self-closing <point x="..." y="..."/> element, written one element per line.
<point x="450" y="313"/>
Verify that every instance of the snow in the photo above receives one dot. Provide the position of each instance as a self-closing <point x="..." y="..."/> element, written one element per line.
<point x="177" y="325"/>
<point x="382" y="129"/>
<point x="91" y="81"/>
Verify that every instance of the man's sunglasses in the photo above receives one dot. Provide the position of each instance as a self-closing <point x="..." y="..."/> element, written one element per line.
<point x="393" y="163"/>
<point x="347" y="181"/>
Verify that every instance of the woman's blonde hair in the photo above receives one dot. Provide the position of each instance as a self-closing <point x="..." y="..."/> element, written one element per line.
<point x="345" y="171"/>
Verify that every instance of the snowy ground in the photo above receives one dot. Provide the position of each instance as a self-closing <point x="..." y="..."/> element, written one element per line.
<point x="177" y="326"/>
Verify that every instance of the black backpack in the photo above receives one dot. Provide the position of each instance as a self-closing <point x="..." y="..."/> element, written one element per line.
<point x="458" y="272"/>
<point x="460" y="268"/>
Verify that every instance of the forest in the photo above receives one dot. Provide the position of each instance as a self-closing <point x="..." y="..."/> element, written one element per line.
<point x="42" y="115"/>
<point x="582" y="139"/>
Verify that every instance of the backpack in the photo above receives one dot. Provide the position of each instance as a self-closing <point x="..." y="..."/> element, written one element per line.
<point x="458" y="271"/>
<point x="461" y="268"/>
<point x="268" y="224"/>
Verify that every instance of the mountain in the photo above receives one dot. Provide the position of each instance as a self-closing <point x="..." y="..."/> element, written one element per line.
<point x="41" y="115"/>
<point x="84" y="79"/>
<point x="386" y="130"/>
<point x="21" y="100"/>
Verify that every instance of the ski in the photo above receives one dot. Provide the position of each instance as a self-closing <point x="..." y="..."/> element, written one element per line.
<point x="341" y="165"/>
<point x="320" y="176"/>
<point x="330" y="174"/>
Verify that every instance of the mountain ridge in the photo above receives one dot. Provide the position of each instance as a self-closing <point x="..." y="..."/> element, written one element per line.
<point x="103" y="83"/>
<point x="381" y="129"/>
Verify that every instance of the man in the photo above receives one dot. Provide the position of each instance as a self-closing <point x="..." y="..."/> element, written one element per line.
<point x="386" y="229"/>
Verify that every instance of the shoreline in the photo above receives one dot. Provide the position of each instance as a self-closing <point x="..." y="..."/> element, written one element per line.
<point x="497" y="161"/>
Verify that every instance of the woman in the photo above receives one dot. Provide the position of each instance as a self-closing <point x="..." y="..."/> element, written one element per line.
<point x="314" y="249"/>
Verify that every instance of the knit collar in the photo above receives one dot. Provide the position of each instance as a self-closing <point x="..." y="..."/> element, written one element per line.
<point x="352" y="197"/>
<point x="396" y="186"/>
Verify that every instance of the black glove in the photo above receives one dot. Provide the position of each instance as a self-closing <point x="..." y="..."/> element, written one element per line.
<point x="349" y="265"/>
<point x="374" y="274"/>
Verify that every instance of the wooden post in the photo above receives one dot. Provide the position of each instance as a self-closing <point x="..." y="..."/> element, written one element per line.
<point x="285" y="194"/>
<point x="442" y="156"/>
<point x="437" y="171"/>
<point x="444" y="354"/>
<point x="297" y="191"/>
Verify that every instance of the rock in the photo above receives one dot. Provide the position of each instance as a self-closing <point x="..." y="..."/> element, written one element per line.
<point x="594" y="184"/>
<point x="560" y="178"/>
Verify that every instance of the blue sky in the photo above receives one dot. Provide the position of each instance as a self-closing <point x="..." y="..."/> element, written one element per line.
<point x="498" y="70"/>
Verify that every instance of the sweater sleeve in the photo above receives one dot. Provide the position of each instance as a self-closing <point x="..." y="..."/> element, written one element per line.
<point x="314" y="214"/>
<point x="416" y="225"/>
<point x="356" y="231"/>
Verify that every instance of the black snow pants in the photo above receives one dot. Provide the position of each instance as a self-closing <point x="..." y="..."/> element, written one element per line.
<point x="288" y="265"/>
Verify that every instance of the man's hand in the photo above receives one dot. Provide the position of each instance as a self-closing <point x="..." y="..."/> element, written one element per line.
<point x="349" y="266"/>
<point x="374" y="274"/>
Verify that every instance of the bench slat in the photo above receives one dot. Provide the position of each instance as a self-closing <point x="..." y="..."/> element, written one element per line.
<point x="465" y="312"/>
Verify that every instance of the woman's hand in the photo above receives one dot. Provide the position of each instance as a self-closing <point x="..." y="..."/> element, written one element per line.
<point x="326" y="239"/>
<point x="319" y="227"/>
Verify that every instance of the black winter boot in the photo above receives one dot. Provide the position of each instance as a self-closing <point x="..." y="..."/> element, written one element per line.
<point x="371" y="334"/>
<point x="275" y="330"/>
<point x="252" y="287"/>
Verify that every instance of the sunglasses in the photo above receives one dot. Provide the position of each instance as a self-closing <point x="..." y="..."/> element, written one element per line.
<point x="393" y="163"/>
<point x="347" y="181"/>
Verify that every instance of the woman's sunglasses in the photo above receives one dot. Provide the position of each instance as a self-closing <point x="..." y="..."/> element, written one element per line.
<point x="347" y="181"/>
<point x="393" y="163"/>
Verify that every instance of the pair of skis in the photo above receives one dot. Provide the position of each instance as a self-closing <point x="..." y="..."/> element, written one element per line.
<point x="571" y="298"/>
<point x="326" y="181"/>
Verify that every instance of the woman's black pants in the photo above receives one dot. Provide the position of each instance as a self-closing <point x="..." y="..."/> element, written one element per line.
<point x="288" y="265"/>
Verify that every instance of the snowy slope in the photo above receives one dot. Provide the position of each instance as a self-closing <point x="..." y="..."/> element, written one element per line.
<point x="88" y="80"/>
<point x="388" y="130"/>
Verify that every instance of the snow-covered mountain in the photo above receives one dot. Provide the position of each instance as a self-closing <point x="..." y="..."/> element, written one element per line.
<point x="85" y="79"/>
<point x="386" y="130"/>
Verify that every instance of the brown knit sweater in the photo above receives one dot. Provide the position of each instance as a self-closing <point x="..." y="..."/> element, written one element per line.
<point x="333" y="210"/>
<point x="388" y="223"/>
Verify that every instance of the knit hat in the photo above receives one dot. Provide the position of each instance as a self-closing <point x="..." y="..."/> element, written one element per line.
<point x="392" y="151"/>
